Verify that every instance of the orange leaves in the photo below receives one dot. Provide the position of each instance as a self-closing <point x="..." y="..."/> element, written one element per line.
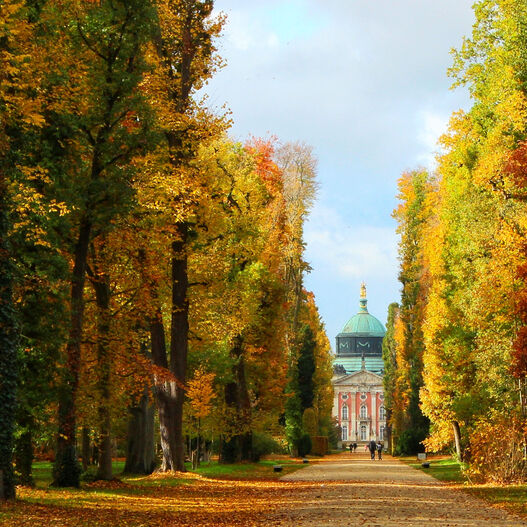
<point x="263" y="152"/>
<point x="516" y="169"/>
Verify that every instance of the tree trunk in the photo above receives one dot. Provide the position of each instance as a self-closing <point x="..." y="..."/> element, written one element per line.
<point x="85" y="448"/>
<point x="238" y="447"/>
<point x="8" y="353"/>
<point x="457" y="440"/>
<point x="165" y="395"/>
<point x="24" y="452"/>
<point x="101" y="285"/>
<point x="140" y="457"/>
<point x="179" y="338"/>
<point x="388" y="431"/>
<point x="198" y="446"/>
<point x="66" y="471"/>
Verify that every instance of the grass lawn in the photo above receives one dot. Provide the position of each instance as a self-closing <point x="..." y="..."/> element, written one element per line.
<point x="443" y="469"/>
<point x="263" y="469"/>
<point x="510" y="497"/>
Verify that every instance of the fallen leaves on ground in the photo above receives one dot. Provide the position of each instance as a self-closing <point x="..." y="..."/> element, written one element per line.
<point x="157" y="500"/>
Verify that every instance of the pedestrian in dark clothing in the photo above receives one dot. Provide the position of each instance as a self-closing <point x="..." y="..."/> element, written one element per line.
<point x="379" y="449"/>
<point x="373" y="448"/>
<point x="354" y="447"/>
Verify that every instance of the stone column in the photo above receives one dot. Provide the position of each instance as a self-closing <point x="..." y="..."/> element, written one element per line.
<point x="336" y="405"/>
<point x="373" y="395"/>
<point x="353" y="413"/>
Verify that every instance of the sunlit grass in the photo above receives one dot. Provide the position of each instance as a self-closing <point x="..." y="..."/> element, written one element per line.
<point x="444" y="469"/>
<point x="42" y="472"/>
<point x="262" y="469"/>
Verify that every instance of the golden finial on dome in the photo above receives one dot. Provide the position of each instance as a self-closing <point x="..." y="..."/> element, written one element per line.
<point x="363" y="290"/>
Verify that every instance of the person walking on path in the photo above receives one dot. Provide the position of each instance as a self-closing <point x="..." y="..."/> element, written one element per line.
<point x="373" y="448"/>
<point x="379" y="449"/>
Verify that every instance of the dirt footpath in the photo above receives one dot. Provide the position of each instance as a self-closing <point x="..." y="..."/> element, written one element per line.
<point x="352" y="490"/>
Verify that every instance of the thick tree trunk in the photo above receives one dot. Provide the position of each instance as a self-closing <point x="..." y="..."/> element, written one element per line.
<point x="457" y="440"/>
<point x="171" y="394"/>
<point x="165" y="395"/>
<point x="238" y="447"/>
<point x="101" y="285"/>
<point x="179" y="338"/>
<point x="140" y="457"/>
<point x="66" y="471"/>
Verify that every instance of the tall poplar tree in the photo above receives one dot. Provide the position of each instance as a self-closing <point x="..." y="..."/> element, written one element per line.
<point x="411" y="216"/>
<point x="389" y="355"/>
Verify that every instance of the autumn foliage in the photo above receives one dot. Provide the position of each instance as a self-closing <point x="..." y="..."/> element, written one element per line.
<point x="468" y="265"/>
<point x="150" y="262"/>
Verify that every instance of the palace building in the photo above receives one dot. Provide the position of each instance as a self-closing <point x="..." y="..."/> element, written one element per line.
<point x="358" y="402"/>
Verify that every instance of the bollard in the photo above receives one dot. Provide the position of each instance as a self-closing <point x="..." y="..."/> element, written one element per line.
<point x="277" y="468"/>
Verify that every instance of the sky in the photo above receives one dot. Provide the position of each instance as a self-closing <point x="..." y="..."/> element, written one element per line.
<point x="364" y="82"/>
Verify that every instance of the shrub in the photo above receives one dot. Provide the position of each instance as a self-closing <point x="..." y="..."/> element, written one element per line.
<point x="264" y="444"/>
<point x="320" y="445"/>
<point x="497" y="450"/>
<point x="310" y="421"/>
<point x="334" y="435"/>
<point x="304" y="445"/>
<point x="410" y="442"/>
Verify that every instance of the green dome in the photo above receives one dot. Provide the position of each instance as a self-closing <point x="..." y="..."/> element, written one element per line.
<point x="363" y="324"/>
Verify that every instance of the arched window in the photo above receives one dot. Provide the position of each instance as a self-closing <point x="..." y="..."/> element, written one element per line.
<point x="381" y="433"/>
<point x="345" y="412"/>
<point x="344" y="433"/>
<point x="363" y="433"/>
<point x="363" y="412"/>
<point x="382" y="413"/>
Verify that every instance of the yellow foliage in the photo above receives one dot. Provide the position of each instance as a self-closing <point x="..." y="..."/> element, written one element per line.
<point x="200" y="392"/>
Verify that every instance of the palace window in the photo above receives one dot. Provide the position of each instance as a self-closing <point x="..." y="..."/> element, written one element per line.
<point x="345" y="412"/>
<point x="382" y="413"/>
<point x="363" y="433"/>
<point x="363" y="412"/>
<point x="381" y="433"/>
<point x="344" y="433"/>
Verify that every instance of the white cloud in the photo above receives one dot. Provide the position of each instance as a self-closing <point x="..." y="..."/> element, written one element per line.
<point x="238" y="30"/>
<point x="247" y="33"/>
<point x="273" y="41"/>
<point x="360" y="252"/>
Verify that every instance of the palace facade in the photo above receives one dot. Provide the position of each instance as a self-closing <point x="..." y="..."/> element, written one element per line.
<point x="358" y="402"/>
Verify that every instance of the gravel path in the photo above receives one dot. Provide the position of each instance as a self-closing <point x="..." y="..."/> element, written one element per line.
<point x="352" y="490"/>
